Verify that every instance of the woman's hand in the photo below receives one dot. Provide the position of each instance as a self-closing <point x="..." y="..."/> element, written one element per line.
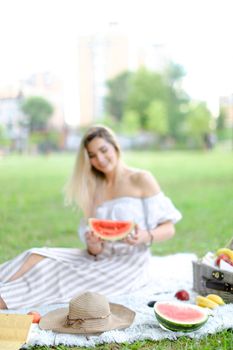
<point x="94" y="243"/>
<point x="161" y="233"/>
<point x="139" y="237"/>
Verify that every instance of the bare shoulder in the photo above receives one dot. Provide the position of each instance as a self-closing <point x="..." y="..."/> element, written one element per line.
<point x="145" y="182"/>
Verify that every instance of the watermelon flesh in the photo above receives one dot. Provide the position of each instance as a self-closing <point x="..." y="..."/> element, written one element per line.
<point x="111" y="230"/>
<point x="178" y="317"/>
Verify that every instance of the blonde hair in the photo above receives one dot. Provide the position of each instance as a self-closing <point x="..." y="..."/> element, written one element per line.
<point x="81" y="189"/>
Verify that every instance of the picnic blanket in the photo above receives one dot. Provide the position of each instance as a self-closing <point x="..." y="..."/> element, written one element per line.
<point x="171" y="273"/>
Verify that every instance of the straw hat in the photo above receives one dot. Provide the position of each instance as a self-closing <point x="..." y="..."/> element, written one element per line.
<point x="88" y="313"/>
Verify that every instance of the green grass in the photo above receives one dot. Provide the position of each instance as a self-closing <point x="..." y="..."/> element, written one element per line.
<point x="200" y="184"/>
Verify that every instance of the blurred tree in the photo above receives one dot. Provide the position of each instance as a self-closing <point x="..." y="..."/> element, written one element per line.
<point x="221" y="120"/>
<point x="4" y="139"/>
<point x="157" y="118"/>
<point x="38" y="111"/>
<point x="174" y="73"/>
<point x="46" y="140"/>
<point x="136" y="91"/>
<point x="131" y="122"/>
<point x="145" y="87"/>
<point x="110" y="122"/>
<point x="223" y="131"/>
<point x="118" y="89"/>
<point x="176" y="98"/>
<point x="199" y="122"/>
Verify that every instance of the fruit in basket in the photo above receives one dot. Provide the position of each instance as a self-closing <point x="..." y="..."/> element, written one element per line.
<point x="177" y="317"/>
<point x="223" y="257"/>
<point x="216" y="298"/>
<point x="226" y="251"/>
<point x="206" y="302"/>
<point x="182" y="295"/>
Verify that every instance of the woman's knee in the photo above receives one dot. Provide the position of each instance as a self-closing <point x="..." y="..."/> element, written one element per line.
<point x="34" y="258"/>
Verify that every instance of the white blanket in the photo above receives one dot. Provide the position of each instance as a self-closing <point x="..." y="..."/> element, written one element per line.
<point x="171" y="273"/>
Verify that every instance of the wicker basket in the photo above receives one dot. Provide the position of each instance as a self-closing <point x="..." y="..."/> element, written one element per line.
<point x="209" y="280"/>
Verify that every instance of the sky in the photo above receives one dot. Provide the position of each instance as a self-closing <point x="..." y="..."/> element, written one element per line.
<point x="41" y="35"/>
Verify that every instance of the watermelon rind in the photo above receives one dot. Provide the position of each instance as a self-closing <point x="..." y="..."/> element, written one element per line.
<point x="180" y="326"/>
<point x="111" y="235"/>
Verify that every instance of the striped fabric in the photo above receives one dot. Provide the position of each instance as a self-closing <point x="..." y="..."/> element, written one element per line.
<point x="64" y="272"/>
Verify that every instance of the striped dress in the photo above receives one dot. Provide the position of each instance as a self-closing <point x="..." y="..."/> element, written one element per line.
<point x="64" y="272"/>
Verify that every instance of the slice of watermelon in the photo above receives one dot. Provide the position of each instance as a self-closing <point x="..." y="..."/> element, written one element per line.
<point x="111" y="230"/>
<point x="176" y="316"/>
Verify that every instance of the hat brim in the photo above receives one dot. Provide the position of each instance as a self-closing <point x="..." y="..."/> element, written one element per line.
<point x="121" y="317"/>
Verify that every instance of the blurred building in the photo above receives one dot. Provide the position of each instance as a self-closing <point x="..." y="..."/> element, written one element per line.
<point x="40" y="84"/>
<point x="50" y="87"/>
<point x="226" y="103"/>
<point x="11" y="116"/>
<point x="96" y="59"/>
<point x="14" y="122"/>
<point x="100" y="59"/>
<point x="103" y="57"/>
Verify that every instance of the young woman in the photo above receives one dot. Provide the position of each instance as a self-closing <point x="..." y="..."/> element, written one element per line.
<point x="102" y="186"/>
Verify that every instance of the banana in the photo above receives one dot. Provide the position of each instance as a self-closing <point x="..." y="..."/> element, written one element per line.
<point x="216" y="299"/>
<point x="205" y="302"/>
<point x="226" y="251"/>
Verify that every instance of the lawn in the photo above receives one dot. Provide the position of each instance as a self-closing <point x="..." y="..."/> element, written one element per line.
<point x="32" y="213"/>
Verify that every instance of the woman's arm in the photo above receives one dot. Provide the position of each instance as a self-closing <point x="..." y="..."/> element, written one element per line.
<point x="161" y="233"/>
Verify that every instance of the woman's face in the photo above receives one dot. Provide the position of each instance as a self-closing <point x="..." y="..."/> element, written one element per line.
<point x="102" y="154"/>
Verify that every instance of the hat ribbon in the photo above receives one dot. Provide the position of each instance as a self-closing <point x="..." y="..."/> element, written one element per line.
<point x="72" y="321"/>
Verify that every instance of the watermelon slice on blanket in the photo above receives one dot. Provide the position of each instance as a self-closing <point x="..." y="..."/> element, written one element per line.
<point x="177" y="317"/>
<point x="111" y="230"/>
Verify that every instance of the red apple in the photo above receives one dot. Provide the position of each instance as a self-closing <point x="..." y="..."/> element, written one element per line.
<point x="182" y="295"/>
<point x="223" y="257"/>
<point x="36" y="316"/>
